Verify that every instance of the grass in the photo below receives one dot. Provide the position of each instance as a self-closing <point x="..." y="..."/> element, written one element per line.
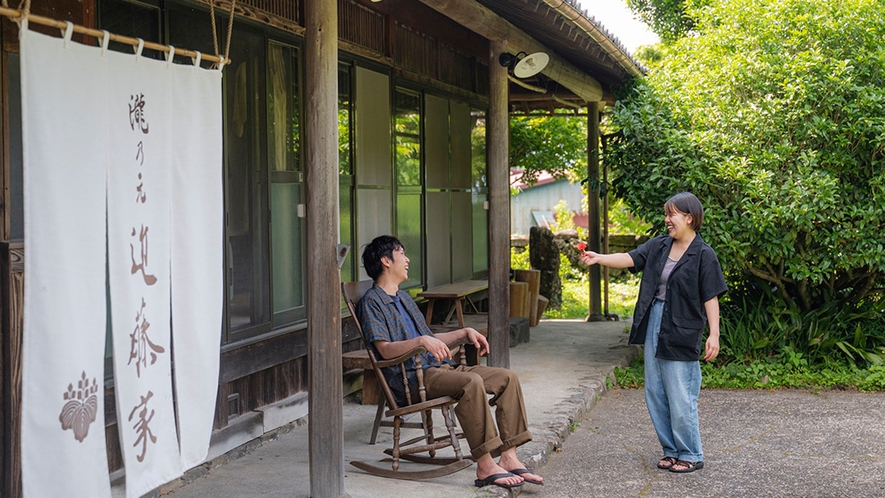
<point x="623" y="291"/>
<point x="576" y="298"/>
<point x="773" y="373"/>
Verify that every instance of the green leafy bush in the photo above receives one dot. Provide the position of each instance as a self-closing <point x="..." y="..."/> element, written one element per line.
<point x="760" y="327"/>
<point x="773" y="113"/>
<point x="622" y="221"/>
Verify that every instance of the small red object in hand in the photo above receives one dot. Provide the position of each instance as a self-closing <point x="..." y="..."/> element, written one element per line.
<point x="582" y="245"/>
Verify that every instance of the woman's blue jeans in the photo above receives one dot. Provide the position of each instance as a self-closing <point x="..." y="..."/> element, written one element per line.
<point x="671" y="394"/>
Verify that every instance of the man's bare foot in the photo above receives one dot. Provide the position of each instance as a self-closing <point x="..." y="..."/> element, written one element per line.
<point x="510" y="463"/>
<point x="486" y="467"/>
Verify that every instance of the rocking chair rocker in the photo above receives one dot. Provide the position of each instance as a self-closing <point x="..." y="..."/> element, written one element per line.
<point x="425" y="443"/>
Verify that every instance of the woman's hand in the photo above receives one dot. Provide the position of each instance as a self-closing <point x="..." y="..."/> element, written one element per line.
<point x="589" y="258"/>
<point x="712" y="348"/>
<point x="712" y="309"/>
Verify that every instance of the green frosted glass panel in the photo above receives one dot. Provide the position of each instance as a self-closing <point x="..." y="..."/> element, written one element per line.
<point x="480" y="234"/>
<point x="408" y="113"/>
<point x="288" y="274"/>
<point x="408" y="230"/>
<point x="439" y="238"/>
<point x="346" y="235"/>
<point x="282" y="109"/>
<point x="344" y="120"/>
<point x="373" y="160"/>
<point x="462" y="237"/>
<point x="408" y="161"/>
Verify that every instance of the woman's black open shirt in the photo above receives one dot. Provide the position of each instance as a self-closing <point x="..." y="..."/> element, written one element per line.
<point x="695" y="279"/>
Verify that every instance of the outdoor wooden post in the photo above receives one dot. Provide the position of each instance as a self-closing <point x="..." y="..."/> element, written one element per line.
<point x="595" y="308"/>
<point x="499" y="209"/>
<point x="325" y="434"/>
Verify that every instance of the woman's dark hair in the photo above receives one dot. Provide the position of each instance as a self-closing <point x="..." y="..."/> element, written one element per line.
<point x="380" y="247"/>
<point x="686" y="202"/>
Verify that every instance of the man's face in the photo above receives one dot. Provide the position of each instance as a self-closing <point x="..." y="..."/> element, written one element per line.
<point x="399" y="267"/>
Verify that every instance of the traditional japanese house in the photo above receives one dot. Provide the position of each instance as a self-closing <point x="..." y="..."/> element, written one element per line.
<point x="342" y="120"/>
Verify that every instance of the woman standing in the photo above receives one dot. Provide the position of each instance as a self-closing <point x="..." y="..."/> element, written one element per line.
<point x="679" y="292"/>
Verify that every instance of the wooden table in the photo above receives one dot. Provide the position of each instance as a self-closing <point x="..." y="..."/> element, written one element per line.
<point x="458" y="292"/>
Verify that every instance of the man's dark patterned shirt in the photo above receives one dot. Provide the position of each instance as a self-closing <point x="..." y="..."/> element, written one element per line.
<point x="381" y="321"/>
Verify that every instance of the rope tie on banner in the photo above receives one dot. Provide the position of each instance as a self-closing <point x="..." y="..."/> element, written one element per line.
<point x="23" y="15"/>
<point x="105" y="39"/>
<point x="230" y="28"/>
<point x="67" y="32"/>
<point x="169" y="57"/>
<point x="197" y="61"/>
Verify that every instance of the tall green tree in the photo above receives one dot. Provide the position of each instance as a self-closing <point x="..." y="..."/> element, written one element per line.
<point x="669" y="19"/>
<point x="773" y="113"/>
<point x="556" y="144"/>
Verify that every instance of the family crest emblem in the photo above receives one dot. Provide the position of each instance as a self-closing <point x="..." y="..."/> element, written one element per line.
<point x="81" y="407"/>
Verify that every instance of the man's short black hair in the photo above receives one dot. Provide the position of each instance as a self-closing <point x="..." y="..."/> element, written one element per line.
<point x="380" y="247"/>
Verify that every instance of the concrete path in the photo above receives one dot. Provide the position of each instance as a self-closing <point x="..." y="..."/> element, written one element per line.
<point x="756" y="444"/>
<point x="563" y="370"/>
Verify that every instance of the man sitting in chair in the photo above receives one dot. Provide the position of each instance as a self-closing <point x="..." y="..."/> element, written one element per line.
<point x="393" y="324"/>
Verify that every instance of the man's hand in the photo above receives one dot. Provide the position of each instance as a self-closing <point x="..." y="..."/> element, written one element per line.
<point x="478" y="340"/>
<point x="436" y="347"/>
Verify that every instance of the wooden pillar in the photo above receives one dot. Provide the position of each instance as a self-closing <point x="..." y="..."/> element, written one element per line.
<point x="326" y="436"/>
<point x="499" y="209"/>
<point x="12" y="290"/>
<point x="595" y="308"/>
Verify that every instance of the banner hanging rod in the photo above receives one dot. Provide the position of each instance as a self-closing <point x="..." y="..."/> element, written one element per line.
<point x="97" y="33"/>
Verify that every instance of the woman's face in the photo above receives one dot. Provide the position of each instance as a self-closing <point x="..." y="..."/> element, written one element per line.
<point x="678" y="223"/>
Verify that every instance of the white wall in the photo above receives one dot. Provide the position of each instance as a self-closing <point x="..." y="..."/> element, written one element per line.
<point x="541" y="198"/>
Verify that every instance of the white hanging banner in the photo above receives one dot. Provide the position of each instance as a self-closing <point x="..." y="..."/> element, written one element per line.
<point x="63" y="426"/>
<point x="140" y="120"/>
<point x="123" y="204"/>
<point x="197" y="223"/>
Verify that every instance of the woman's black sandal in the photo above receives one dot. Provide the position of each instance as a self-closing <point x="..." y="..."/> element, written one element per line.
<point x="670" y="461"/>
<point x="689" y="466"/>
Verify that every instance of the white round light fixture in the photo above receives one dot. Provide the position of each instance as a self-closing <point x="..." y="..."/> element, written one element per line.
<point x="531" y="65"/>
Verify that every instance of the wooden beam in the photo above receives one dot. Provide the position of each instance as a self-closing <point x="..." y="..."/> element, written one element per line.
<point x="325" y="434"/>
<point x="498" y="143"/>
<point x="483" y="21"/>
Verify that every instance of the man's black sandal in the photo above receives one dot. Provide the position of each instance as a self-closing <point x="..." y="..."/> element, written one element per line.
<point x="490" y="480"/>
<point x="520" y="472"/>
<point x="670" y="461"/>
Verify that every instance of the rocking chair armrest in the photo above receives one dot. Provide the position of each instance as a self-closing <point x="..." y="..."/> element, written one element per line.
<point x="401" y="358"/>
<point x="460" y="342"/>
<point x="455" y="347"/>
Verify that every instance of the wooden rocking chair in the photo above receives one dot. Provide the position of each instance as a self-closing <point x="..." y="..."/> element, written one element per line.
<point x="425" y="443"/>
